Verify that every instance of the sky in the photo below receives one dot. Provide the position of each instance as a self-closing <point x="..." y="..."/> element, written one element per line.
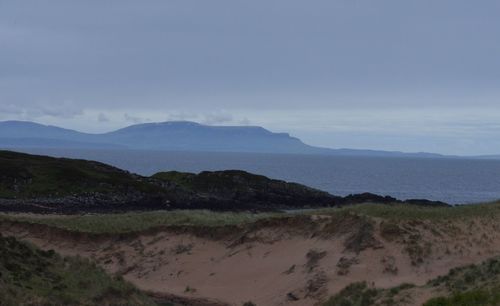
<point x="375" y="74"/>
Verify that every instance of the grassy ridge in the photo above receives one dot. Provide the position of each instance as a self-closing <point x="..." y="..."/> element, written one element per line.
<point x="134" y="222"/>
<point x="29" y="276"/>
<point x="415" y="212"/>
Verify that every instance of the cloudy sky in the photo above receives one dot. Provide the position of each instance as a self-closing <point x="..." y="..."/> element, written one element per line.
<point x="380" y="74"/>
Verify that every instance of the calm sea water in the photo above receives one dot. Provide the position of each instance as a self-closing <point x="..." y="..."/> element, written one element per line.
<point x="454" y="181"/>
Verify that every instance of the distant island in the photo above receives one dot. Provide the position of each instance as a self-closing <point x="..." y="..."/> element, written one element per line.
<point x="174" y="136"/>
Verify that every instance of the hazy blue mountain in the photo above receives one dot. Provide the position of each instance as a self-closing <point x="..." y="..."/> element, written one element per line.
<point x="13" y="143"/>
<point x="26" y="129"/>
<point x="178" y="135"/>
<point x="487" y="157"/>
<point x="193" y="136"/>
<point x="25" y="134"/>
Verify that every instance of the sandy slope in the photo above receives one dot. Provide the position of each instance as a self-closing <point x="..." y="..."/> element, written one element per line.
<point x="300" y="261"/>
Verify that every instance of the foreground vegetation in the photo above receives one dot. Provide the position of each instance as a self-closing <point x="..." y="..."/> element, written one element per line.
<point x="472" y="285"/>
<point x="29" y="276"/>
<point x="478" y="297"/>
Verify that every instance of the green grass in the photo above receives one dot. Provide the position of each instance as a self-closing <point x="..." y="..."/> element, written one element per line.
<point x="180" y="178"/>
<point x="134" y="222"/>
<point x="471" y="277"/>
<point x="356" y="294"/>
<point x="472" y="285"/>
<point x="471" y="298"/>
<point x="29" y="276"/>
<point x="414" y="212"/>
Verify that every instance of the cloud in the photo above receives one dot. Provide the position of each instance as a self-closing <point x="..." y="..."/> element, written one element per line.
<point x="102" y="118"/>
<point x="61" y="110"/>
<point x="344" y="60"/>
<point x="215" y="118"/>
<point x="182" y="116"/>
<point x="219" y="117"/>
<point x="245" y="121"/>
<point x="135" y="119"/>
<point x="9" y="110"/>
<point x="296" y="55"/>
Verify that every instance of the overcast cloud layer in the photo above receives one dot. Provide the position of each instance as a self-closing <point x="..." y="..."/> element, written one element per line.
<point x="400" y="75"/>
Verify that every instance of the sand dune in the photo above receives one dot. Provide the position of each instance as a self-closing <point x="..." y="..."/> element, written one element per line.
<point x="301" y="260"/>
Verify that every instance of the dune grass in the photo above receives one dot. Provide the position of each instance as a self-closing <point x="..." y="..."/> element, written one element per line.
<point x="415" y="212"/>
<point x="472" y="285"/>
<point x="470" y="298"/>
<point x="140" y="221"/>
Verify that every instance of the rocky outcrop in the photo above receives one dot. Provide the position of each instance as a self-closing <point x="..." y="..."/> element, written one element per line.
<point x="374" y="198"/>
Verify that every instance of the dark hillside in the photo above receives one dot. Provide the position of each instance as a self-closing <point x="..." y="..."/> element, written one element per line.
<point x="28" y="176"/>
<point x="242" y="187"/>
<point x="45" y="184"/>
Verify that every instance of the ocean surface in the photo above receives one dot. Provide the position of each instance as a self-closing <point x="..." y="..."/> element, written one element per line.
<point x="455" y="181"/>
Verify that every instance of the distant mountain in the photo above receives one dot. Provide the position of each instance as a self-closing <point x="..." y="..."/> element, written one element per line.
<point x="26" y="129"/>
<point x="192" y="136"/>
<point x="487" y="157"/>
<point x="176" y="135"/>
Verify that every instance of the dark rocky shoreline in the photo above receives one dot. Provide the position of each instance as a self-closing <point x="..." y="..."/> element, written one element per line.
<point x="120" y="204"/>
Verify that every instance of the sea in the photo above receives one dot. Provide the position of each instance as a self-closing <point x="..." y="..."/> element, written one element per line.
<point x="455" y="181"/>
